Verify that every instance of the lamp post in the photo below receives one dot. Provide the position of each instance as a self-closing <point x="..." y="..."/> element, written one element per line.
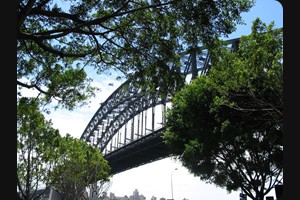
<point x="172" y="182"/>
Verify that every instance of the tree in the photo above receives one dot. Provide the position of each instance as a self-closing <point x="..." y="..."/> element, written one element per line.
<point x="226" y="127"/>
<point x="59" y="41"/>
<point x="46" y="160"/>
<point x="37" y="145"/>
<point x="79" y="166"/>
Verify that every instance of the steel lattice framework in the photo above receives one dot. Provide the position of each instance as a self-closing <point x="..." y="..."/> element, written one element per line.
<point x="122" y="105"/>
<point x="123" y="119"/>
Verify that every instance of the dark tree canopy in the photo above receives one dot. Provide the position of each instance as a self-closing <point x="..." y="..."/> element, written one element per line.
<point x="59" y="40"/>
<point x="226" y="127"/>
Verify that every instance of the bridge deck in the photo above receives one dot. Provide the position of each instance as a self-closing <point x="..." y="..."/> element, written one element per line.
<point x="145" y="150"/>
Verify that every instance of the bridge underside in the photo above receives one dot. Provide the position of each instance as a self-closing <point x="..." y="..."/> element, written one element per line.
<point x="145" y="150"/>
<point x="123" y="128"/>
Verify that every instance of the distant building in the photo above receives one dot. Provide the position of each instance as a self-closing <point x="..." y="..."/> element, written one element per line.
<point x="136" y="196"/>
<point x="124" y="198"/>
<point x="54" y="195"/>
<point x="47" y="194"/>
<point x="112" y="196"/>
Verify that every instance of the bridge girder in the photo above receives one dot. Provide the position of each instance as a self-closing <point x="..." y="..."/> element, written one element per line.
<point x="129" y="100"/>
<point x="142" y="151"/>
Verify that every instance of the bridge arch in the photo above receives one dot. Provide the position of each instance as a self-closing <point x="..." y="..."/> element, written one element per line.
<point x="123" y="118"/>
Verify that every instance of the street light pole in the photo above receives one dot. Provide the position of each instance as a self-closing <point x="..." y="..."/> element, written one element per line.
<point x="172" y="182"/>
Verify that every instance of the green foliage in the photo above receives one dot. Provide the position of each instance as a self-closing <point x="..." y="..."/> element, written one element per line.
<point x="45" y="159"/>
<point x="226" y="127"/>
<point x="79" y="165"/>
<point x="58" y="40"/>
<point x="37" y="146"/>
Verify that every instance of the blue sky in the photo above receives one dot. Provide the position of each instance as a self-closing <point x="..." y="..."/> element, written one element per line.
<point x="154" y="179"/>
<point x="266" y="10"/>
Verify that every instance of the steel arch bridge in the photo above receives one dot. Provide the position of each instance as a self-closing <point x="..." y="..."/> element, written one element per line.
<point x="128" y="126"/>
